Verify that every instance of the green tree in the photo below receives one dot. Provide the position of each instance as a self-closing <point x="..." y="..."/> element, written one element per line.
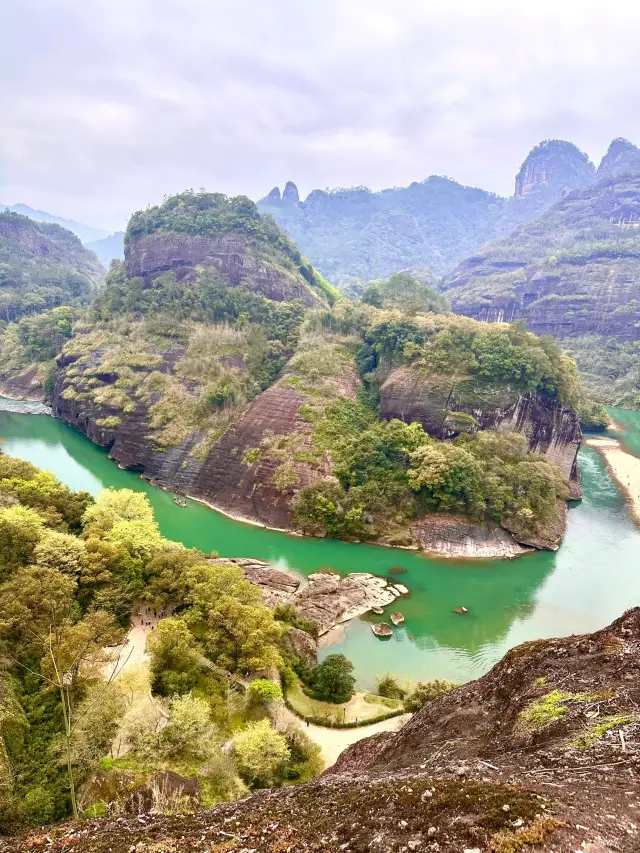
<point x="261" y="754"/>
<point x="174" y="658"/>
<point x="333" y="679"/>
<point x="20" y="532"/>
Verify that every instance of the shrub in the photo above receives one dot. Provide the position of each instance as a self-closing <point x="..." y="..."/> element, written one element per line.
<point x="261" y="754"/>
<point x="389" y="688"/>
<point x="425" y="692"/>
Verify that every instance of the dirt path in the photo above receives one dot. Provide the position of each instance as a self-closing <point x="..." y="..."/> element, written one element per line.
<point x="334" y="741"/>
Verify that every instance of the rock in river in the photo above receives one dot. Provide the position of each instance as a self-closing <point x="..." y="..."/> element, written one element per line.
<point x="381" y="629"/>
<point x="397" y="618"/>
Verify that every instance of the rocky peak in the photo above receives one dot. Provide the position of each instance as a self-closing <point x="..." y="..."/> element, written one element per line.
<point x="622" y="156"/>
<point x="554" y="167"/>
<point x="273" y="197"/>
<point x="290" y="194"/>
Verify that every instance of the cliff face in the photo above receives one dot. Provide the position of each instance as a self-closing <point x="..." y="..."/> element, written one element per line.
<point x="223" y="476"/>
<point x="574" y="271"/>
<point x="237" y="261"/>
<point x="541" y="753"/>
<point x="552" y="430"/>
<point x="554" y="167"/>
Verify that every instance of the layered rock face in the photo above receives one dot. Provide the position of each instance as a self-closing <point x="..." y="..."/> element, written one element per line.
<point x="575" y="271"/>
<point x="552" y="430"/>
<point x="149" y="255"/>
<point x="455" y="536"/>
<point x="541" y="753"/>
<point x="554" y="167"/>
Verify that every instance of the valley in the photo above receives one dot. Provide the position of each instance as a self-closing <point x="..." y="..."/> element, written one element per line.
<point x="544" y="594"/>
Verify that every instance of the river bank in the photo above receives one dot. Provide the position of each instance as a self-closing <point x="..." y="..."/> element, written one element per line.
<point x="623" y="467"/>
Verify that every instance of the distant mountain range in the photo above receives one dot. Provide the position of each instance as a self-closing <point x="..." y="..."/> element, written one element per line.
<point x="355" y="234"/>
<point x="358" y="234"/>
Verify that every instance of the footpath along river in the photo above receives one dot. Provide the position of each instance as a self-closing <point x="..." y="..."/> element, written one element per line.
<point x="590" y="580"/>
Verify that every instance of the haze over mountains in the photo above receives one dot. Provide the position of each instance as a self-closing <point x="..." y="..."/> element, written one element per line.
<point x="355" y="234"/>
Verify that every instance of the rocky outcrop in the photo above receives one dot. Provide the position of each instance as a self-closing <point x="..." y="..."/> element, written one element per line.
<point x="552" y="430"/>
<point x="554" y="167"/>
<point x="329" y="600"/>
<point x="451" y="535"/>
<point x="541" y="753"/>
<point x="326" y="599"/>
<point x="622" y="157"/>
<point x="290" y="193"/>
<point x="234" y="257"/>
<point x="26" y="385"/>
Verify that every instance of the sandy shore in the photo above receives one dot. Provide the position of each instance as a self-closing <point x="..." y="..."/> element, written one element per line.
<point x="623" y="467"/>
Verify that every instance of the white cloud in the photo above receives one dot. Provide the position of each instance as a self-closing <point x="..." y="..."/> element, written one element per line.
<point x="108" y="105"/>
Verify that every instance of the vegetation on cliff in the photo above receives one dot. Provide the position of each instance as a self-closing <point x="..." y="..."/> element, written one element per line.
<point x="74" y="572"/>
<point x="42" y="266"/>
<point x="213" y="214"/>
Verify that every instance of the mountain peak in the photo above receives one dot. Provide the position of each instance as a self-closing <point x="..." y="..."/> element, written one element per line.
<point x="554" y="167"/>
<point x="273" y="196"/>
<point x="622" y="156"/>
<point x="290" y="194"/>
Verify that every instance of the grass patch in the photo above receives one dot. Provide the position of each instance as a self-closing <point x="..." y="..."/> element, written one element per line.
<point x="549" y="708"/>
<point x="510" y="841"/>
<point x="595" y="732"/>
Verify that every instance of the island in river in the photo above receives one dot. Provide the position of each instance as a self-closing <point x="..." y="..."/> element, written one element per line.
<point x="590" y="580"/>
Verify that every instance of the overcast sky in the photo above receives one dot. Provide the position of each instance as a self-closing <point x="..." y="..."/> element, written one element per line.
<point x="109" y="104"/>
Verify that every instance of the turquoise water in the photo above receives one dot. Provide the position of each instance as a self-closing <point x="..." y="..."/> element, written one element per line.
<point x="589" y="581"/>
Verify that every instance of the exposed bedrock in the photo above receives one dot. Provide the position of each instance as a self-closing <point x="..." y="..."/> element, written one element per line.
<point x="453" y="535"/>
<point x="325" y="598"/>
<point x="149" y="255"/>
<point x="552" y="429"/>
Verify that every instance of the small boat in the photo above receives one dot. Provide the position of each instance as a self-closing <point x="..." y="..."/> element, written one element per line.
<point x="461" y="610"/>
<point x="179" y="501"/>
<point x="381" y="629"/>
<point x="377" y="610"/>
<point x="397" y="618"/>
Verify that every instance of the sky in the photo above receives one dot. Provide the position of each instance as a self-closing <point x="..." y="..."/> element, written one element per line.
<point x="108" y="105"/>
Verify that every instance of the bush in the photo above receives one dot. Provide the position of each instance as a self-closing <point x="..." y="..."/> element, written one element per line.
<point x="425" y="692"/>
<point x="261" y="754"/>
<point x="389" y="688"/>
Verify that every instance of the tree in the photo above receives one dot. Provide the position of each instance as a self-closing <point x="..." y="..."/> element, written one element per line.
<point x="20" y="531"/>
<point x="190" y="733"/>
<point x="262" y="695"/>
<point x="242" y="637"/>
<point x="447" y="476"/>
<point x="39" y="613"/>
<point x="333" y="679"/>
<point x="261" y="754"/>
<point x="61" y="551"/>
<point x="389" y="688"/>
<point x="114" y="506"/>
<point x="174" y="658"/>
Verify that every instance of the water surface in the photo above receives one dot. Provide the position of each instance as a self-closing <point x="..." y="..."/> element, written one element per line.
<point x="589" y="581"/>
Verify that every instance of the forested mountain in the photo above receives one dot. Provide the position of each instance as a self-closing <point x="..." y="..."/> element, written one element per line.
<point x="86" y="233"/>
<point x="356" y="233"/>
<point x="42" y="265"/>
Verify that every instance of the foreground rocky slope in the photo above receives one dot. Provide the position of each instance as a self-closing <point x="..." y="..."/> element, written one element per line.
<point x="542" y="753"/>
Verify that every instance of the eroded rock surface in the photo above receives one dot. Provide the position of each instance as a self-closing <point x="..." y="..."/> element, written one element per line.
<point x="481" y="769"/>
<point x="552" y="430"/>
<point x="454" y="535"/>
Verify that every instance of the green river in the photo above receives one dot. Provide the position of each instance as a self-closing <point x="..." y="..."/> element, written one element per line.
<point x="588" y="582"/>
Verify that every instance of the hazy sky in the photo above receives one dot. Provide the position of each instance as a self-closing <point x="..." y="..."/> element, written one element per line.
<point x="109" y="104"/>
